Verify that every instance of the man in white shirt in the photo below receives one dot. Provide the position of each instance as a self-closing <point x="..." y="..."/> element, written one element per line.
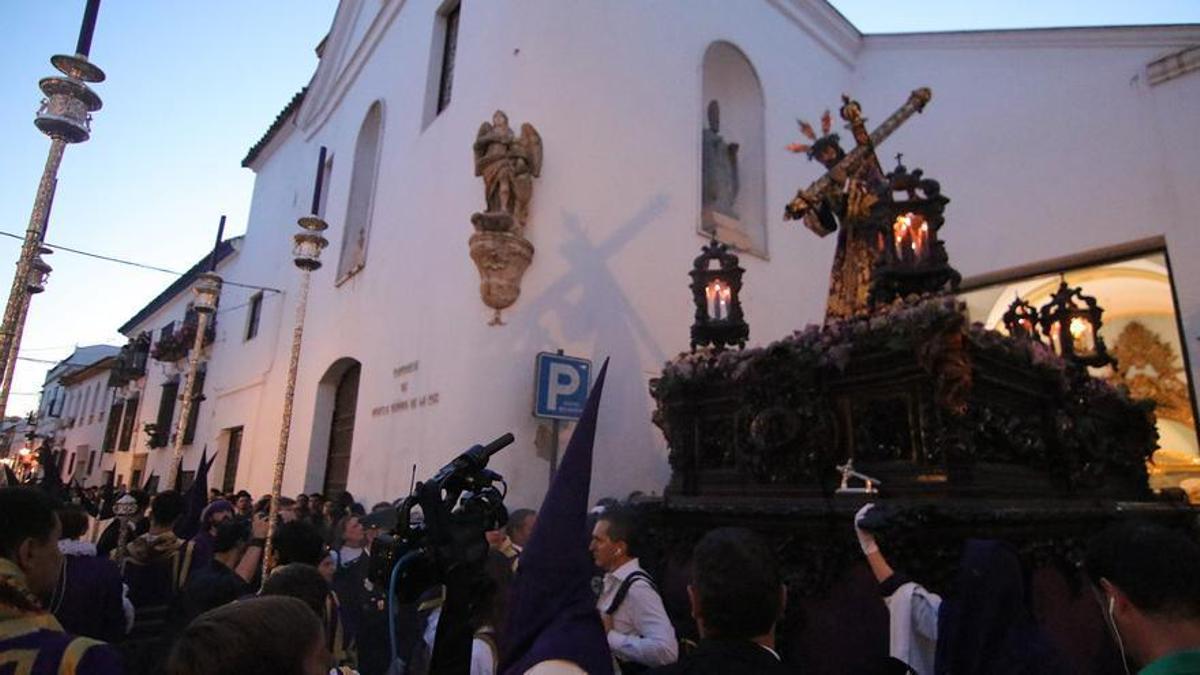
<point x="639" y="633"/>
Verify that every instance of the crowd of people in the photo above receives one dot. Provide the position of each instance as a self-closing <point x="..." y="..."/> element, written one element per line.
<point x="157" y="602"/>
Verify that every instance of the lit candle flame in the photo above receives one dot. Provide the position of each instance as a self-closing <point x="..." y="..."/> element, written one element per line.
<point x="910" y="231"/>
<point x="719" y="296"/>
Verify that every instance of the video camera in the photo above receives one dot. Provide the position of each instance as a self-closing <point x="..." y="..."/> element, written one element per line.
<point x="440" y="526"/>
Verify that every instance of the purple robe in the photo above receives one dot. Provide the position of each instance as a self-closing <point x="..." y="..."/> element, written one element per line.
<point x="88" y="598"/>
<point x="33" y="642"/>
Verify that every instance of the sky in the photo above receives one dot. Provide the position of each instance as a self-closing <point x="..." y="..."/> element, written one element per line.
<point x="192" y="85"/>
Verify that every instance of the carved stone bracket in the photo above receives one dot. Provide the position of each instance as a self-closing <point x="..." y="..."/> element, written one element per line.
<point x="502" y="258"/>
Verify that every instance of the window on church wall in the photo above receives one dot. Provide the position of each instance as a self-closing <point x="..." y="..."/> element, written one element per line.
<point x="449" y="49"/>
<point x="253" y="315"/>
<point x="356" y="232"/>
<point x="189" y="433"/>
<point x="166" y="414"/>
<point x="129" y="418"/>
<point x="732" y="151"/>
<point x="1139" y="328"/>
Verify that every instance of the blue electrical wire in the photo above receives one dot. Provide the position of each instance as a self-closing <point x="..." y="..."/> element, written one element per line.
<point x="402" y="562"/>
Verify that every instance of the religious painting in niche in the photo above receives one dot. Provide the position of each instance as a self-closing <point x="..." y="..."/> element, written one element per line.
<point x="732" y="156"/>
<point x="1142" y="331"/>
<point x="360" y="205"/>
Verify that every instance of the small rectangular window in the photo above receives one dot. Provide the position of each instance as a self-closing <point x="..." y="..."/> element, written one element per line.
<point x="254" y="313"/>
<point x="166" y="330"/>
<point x="449" y="49"/>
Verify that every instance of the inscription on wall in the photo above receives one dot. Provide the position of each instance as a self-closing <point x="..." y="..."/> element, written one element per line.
<point x="410" y="399"/>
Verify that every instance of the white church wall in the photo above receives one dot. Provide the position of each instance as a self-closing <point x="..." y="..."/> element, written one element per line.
<point x="613" y="216"/>
<point x="1048" y="142"/>
<point x="1045" y="150"/>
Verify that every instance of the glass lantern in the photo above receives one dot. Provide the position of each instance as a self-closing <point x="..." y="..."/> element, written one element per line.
<point x="716" y="284"/>
<point x="1072" y="321"/>
<point x="1021" y="320"/>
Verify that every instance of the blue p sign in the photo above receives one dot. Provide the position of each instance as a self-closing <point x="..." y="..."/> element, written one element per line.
<point x="562" y="386"/>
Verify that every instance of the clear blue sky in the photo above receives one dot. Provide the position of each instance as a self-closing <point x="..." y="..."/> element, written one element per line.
<point x="192" y="85"/>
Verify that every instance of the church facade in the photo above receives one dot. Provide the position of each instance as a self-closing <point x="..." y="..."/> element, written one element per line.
<point x="660" y="125"/>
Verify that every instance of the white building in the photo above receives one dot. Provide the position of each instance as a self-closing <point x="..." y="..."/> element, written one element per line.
<point x="71" y="412"/>
<point x="1050" y="143"/>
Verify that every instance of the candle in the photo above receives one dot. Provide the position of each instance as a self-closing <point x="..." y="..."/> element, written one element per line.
<point x="910" y="231"/>
<point x="719" y="297"/>
<point x="316" y="200"/>
<point x="1081" y="336"/>
<point x="84" y="45"/>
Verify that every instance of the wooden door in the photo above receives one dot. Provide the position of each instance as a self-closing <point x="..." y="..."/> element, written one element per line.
<point x="341" y="434"/>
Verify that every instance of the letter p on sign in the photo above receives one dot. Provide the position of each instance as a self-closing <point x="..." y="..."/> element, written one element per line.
<point x="561" y="386"/>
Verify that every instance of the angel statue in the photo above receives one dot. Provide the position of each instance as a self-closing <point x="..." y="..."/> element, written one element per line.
<point x="508" y="165"/>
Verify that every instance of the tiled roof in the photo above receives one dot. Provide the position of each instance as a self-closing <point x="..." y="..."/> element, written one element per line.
<point x="224" y="250"/>
<point x="274" y="128"/>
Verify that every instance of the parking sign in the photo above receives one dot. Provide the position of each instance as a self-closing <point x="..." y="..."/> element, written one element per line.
<point x="561" y="386"/>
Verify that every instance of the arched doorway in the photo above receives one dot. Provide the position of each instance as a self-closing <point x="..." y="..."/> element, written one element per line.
<point x="341" y="432"/>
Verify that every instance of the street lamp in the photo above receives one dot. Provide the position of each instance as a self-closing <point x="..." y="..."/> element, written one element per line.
<point x="208" y="293"/>
<point x="716" y="291"/>
<point x="64" y="116"/>
<point x="306" y="252"/>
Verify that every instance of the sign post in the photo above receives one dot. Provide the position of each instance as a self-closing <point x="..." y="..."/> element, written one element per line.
<point x="561" y="386"/>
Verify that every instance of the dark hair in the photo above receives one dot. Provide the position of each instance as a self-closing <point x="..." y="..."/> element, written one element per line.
<point x="230" y="533"/>
<point x="299" y="581"/>
<point x="1158" y="568"/>
<point x="517" y="519"/>
<point x="142" y="498"/>
<point x="166" y="507"/>
<point x="298" y="542"/>
<point x="74" y="521"/>
<point x="381" y="506"/>
<point x="284" y="502"/>
<point x="242" y="493"/>
<point x="622" y="526"/>
<point x="25" y="513"/>
<point x="258" y="635"/>
<point x="736" y="580"/>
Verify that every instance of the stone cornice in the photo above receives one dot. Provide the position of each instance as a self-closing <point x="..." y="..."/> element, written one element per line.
<point x="330" y="87"/>
<point x="1099" y="37"/>
<point x="824" y="24"/>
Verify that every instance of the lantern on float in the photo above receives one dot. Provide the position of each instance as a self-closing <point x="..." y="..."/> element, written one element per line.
<point x="906" y="218"/>
<point x="1021" y="320"/>
<point x="1071" y="321"/>
<point x="716" y="286"/>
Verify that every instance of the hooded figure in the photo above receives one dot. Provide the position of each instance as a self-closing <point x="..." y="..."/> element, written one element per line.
<point x="552" y="611"/>
<point x="987" y="627"/>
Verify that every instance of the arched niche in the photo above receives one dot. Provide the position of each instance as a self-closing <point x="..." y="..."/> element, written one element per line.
<point x="332" y="436"/>
<point x="733" y="151"/>
<point x="363" y="180"/>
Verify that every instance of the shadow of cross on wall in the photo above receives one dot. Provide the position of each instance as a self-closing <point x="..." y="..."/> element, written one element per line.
<point x="590" y="305"/>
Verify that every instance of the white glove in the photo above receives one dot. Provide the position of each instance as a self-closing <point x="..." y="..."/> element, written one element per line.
<point x="866" y="540"/>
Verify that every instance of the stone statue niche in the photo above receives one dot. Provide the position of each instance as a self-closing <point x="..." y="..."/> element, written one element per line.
<point x="720" y="184"/>
<point x="508" y="164"/>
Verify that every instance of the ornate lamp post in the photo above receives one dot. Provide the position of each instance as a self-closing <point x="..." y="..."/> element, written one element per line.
<point x="208" y="293"/>
<point x="65" y="116"/>
<point x="1071" y="320"/>
<point x="1021" y="320"/>
<point x="716" y="289"/>
<point x="307" y="246"/>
